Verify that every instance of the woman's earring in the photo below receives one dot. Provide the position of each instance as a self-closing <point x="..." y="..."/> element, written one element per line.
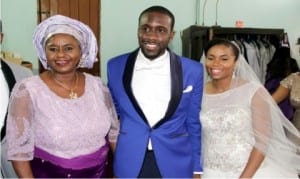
<point x="80" y="63"/>
<point x="233" y="74"/>
<point x="48" y="67"/>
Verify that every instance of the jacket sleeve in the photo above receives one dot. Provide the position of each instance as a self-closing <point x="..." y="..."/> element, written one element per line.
<point x="193" y="122"/>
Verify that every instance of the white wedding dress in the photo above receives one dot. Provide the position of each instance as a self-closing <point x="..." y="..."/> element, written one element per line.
<point x="227" y="135"/>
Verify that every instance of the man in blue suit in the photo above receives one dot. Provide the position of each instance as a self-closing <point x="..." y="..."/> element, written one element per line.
<point x="157" y="95"/>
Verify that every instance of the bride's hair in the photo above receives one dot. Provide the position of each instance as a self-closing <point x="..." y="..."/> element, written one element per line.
<point x="227" y="43"/>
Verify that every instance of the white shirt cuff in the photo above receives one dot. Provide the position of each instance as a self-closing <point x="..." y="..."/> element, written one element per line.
<point x="198" y="172"/>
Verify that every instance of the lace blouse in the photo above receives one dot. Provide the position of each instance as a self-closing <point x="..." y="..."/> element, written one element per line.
<point x="292" y="82"/>
<point x="63" y="127"/>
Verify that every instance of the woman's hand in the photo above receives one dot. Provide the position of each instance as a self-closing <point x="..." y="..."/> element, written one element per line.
<point x="22" y="169"/>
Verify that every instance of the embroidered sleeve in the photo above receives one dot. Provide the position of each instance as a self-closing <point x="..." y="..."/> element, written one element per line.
<point x="19" y="125"/>
<point x="114" y="129"/>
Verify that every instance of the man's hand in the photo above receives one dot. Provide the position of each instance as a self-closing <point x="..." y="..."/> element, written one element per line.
<point x="196" y="176"/>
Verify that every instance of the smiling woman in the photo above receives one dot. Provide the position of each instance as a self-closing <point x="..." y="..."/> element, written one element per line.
<point x="58" y="112"/>
<point x="244" y="131"/>
<point x="86" y="11"/>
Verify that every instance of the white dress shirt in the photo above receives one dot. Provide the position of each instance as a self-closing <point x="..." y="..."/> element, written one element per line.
<point x="151" y="85"/>
<point x="4" y="91"/>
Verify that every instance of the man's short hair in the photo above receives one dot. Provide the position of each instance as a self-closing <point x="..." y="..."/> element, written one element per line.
<point x="159" y="9"/>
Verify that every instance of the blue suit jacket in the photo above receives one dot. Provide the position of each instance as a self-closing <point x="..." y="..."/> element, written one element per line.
<point x="176" y="138"/>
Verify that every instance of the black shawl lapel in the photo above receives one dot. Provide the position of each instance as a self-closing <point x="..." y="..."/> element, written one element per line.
<point x="8" y="74"/>
<point x="127" y="79"/>
<point x="10" y="79"/>
<point x="176" y="87"/>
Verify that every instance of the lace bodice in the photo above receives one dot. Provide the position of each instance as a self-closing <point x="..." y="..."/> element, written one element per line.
<point x="227" y="129"/>
<point x="292" y="82"/>
<point x="63" y="127"/>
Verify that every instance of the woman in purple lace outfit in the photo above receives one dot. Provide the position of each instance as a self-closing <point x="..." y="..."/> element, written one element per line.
<point x="61" y="122"/>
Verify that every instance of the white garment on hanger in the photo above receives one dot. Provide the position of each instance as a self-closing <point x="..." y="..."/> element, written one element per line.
<point x="253" y="59"/>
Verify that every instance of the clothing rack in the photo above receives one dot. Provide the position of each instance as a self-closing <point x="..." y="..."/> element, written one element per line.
<point x="194" y="38"/>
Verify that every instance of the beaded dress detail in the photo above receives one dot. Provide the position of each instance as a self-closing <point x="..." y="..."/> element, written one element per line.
<point x="228" y="135"/>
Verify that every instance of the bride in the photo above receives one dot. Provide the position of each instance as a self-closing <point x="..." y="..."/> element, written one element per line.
<point x="244" y="131"/>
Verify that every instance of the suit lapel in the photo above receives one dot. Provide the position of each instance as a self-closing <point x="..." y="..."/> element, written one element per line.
<point x="127" y="79"/>
<point x="10" y="79"/>
<point x="8" y="74"/>
<point x="176" y="87"/>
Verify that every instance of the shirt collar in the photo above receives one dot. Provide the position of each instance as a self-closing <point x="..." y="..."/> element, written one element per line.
<point x="143" y="62"/>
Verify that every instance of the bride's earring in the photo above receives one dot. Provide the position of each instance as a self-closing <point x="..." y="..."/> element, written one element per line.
<point x="234" y="71"/>
<point x="233" y="74"/>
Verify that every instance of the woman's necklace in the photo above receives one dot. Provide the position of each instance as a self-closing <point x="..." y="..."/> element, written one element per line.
<point x="72" y="94"/>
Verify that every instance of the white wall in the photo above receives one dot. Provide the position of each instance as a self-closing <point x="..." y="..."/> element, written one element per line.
<point x="19" y="20"/>
<point x="119" y="19"/>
